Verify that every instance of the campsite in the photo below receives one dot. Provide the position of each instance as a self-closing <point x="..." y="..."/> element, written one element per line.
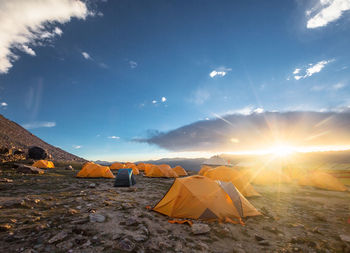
<point x="57" y="211"/>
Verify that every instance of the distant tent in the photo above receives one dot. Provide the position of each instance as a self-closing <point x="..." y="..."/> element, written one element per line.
<point x="198" y="197"/>
<point x="144" y="166"/>
<point x="204" y="169"/>
<point x="132" y="166"/>
<point x="160" y="171"/>
<point x="180" y="171"/>
<point x="43" y="164"/>
<point x="91" y="169"/>
<point x="322" y="180"/>
<point x="226" y="174"/>
<point x="125" y="178"/>
<point x="116" y="166"/>
<point x="266" y="176"/>
<point x="216" y="161"/>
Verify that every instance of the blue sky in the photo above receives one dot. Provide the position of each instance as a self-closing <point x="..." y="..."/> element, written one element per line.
<point x="93" y="76"/>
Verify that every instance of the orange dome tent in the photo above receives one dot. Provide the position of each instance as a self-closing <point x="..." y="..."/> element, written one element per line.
<point x="132" y="166"/>
<point x="43" y="164"/>
<point x="226" y="174"/>
<point x="180" y="171"/>
<point x="204" y="169"/>
<point x="322" y="180"/>
<point x="95" y="170"/>
<point x="158" y="171"/>
<point x="116" y="166"/>
<point x="198" y="197"/>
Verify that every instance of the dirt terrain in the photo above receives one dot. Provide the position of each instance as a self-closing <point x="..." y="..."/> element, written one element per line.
<point x="56" y="212"/>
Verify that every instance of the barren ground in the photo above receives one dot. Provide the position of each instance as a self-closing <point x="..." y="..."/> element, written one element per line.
<point x="50" y="213"/>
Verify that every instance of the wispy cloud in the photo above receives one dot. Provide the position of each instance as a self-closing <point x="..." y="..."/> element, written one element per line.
<point x="154" y="101"/>
<point x="39" y="124"/>
<point x="28" y="23"/>
<point x="326" y="11"/>
<point x="164" y="99"/>
<point x="77" y="146"/>
<point x="200" y="96"/>
<point x="113" y="137"/>
<point x="310" y="70"/>
<point x="133" y="64"/>
<point x="247" y="110"/>
<point x="86" y="55"/>
<point x="219" y="72"/>
<point x="3" y="104"/>
<point x="338" y="86"/>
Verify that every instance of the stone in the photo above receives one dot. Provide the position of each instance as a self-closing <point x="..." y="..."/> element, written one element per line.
<point x="126" y="245"/>
<point x="37" y="153"/>
<point x="264" y="243"/>
<point x="58" y="237"/>
<point x="345" y="238"/>
<point x="5" y="227"/>
<point x="95" y="217"/>
<point x="131" y="222"/>
<point x="6" y="180"/>
<point x="69" y="167"/>
<point x="26" y="169"/>
<point x="65" y="245"/>
<point x="259" y="238"/>
<point x="93" y="185"/>
<point x="202" y="247"/>
<point x="199" y="229"/>
<point x="4" y="150"/>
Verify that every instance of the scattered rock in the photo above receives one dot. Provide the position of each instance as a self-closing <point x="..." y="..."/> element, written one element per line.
<point x="126" y="245"/>
<point x="264" y="243"/>
<point x="95" y="217"/>
<point x="131" y="222"/>
<point x="93" y="185"/>
<point x="5" y="227"/>
<point x="4" y="150"/>
<point x="37" y="153"/>
<point x="345" y="238"/>
<point x="202" y="247"/>
<point x="69" y="167"/>
<point x="126" y="205"/>
<point x="199" y="229"/>
<point x="29" y="169"/>
<point x="6" y="180"/>
<point x="259" y="238"/>
<point x="58" y="237"/>
<point x="65" y="245"/>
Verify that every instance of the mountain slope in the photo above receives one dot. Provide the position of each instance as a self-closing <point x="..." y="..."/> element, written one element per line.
<point x="13" y="135"/>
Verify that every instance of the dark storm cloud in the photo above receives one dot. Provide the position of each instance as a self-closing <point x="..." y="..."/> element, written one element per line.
<point x="258" y="130"/>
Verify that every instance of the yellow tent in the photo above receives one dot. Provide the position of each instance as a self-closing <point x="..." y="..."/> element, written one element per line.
<point x="198" y="197"/>
<point x="204" y="169"/>
<point x="180" y="171"/>
<point x="91" y="169"/>
<point x="116" y="166"/>
<point x="226" y="174"/>
<point x="43" y="164"/>
<point x="157" y="171"/>
<point x="322" y="180"/>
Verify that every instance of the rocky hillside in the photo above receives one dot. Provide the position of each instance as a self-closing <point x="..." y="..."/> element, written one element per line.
<point x="13" y="135"/>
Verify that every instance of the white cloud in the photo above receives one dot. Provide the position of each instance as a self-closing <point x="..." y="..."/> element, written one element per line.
<point x="113" y="137"/>
<point x="296" y="71"/>
<point x="86" y="56"/>
<point x="219" y="72"/>
<point x="133" y="64"/>
<point x="28" y="50"/>
<point x="259" y="110"/>
<point x="77" y="146"/>
<point x="3" y="104"/>
<point x="154" y="101"/>
<point x="327" y="11"/>
<point x="164" y="99"/>
<point x="338" y="86"/>
<point x="26" y="23"/>
<point x="247" y="110"/>
<point x="311" y="69"/>
<point x="39" y="124"/>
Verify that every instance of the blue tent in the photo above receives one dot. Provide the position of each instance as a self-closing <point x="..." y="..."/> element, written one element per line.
<point x="125" y="178"/>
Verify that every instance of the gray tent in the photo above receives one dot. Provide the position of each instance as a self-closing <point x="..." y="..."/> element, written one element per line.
<point x="125" y="178"/>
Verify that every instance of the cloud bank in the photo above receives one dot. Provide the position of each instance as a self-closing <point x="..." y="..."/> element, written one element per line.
<point x="28" y="23"/>
<point x="239" y="132"/>
<point x="326" y="11"/>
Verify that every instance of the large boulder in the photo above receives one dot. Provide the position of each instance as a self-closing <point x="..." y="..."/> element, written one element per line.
<point x="29" y="169"/>
<point x="37" y="153"/>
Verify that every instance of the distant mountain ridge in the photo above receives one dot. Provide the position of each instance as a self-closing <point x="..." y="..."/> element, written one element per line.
<point x="13" y="135"/>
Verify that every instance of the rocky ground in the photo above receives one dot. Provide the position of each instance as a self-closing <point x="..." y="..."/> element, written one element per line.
<point x="56" y="212"/>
